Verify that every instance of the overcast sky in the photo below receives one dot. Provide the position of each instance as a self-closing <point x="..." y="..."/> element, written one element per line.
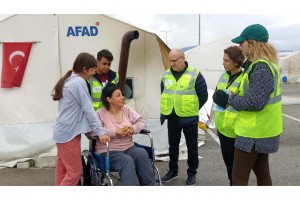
<point x="181" y="21"/>
<point x="183" y="29"/>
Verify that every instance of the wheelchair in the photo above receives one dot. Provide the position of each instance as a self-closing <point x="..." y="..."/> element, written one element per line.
<point x="96" y="169"/>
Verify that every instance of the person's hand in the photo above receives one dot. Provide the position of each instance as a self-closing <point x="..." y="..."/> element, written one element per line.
<point x="125" y="131"/>
<point x="128" y="130"/>
<point x="104" y="138"/>
<point x="120" y="131"/>
<point x="220" y="98"/>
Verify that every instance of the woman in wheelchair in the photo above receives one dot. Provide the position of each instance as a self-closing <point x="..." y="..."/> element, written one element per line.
<point x="121" y="122"/>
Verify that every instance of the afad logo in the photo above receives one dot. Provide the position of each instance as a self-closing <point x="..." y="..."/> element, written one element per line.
<point x="77" y="31"/>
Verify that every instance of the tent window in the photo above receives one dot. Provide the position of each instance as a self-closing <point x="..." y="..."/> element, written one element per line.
<point x="129" y="88"/>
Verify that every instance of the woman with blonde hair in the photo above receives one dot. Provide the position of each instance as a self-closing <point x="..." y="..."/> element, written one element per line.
<point x="258" y="102"/>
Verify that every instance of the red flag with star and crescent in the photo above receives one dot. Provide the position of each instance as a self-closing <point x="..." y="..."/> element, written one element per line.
<point x="14" y="61"/>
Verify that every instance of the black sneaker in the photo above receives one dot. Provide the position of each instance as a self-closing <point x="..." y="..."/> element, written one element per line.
<point x="191" y="180"/>
<point x="169" y="176"/>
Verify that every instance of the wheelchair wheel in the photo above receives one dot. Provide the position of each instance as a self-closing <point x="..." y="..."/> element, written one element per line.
<point x="91" y="175"/>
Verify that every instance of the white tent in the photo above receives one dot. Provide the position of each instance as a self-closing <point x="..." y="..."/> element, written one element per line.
<point x="208" y="58"/>
<point x="290" y="68"/>
<point x="28" y="112"/>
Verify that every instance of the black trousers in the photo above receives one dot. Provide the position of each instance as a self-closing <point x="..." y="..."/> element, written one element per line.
<point x="227" y="149"/>
<point x="191" y="136"/>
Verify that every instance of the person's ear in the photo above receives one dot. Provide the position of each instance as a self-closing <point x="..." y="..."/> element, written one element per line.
<point x="108" y="99"/>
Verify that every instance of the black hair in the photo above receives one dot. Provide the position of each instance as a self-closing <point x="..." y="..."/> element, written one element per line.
<point x="106" y="54"/>
<point x="107" y="91"/>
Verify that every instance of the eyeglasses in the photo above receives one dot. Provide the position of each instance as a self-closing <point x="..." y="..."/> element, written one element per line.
<point x="175" y="60"/>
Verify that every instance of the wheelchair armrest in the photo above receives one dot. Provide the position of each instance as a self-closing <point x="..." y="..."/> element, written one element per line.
<point x="144" y="131"/>
<point x="93" y="139"/>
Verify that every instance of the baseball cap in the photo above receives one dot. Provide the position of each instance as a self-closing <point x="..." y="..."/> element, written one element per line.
<point x="253" y="32"/>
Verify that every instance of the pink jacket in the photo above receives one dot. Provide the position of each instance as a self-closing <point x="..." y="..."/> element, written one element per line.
<point x="119" y="143"/>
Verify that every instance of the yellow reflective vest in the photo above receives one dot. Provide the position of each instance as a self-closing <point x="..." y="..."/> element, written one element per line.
<point x="267" y="122"/>
<point x="96" y="89"/>
<point x="225" y="120"/>
<point x="180" y="95"/>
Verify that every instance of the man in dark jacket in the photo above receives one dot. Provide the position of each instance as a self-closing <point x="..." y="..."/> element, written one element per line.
<point x="184" y="92"/>
<point x="102" y="76"/>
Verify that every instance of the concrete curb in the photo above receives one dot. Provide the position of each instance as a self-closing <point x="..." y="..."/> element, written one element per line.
<point x="46" y="160"/>
<point x="290" y="100"/>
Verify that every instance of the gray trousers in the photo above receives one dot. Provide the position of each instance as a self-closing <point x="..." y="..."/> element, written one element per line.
<point x="132" y="164"/>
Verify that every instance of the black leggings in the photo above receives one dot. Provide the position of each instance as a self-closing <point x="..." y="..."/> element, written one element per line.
<point x="227" y="149"/>
<point x="244" y="162"/>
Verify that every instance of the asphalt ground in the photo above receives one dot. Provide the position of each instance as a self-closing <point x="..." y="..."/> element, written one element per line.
<point x="284" y="164"/>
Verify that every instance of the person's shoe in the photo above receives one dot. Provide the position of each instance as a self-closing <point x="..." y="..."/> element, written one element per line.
<point x="191" y="180"/>
<point x="169" y="176"/>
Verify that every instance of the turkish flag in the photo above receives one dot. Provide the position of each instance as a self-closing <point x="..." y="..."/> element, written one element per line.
<point x="14" y="61"/>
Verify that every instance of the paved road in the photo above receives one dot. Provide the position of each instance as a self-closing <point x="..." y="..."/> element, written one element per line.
<point x="290" y="90"/>
<point x="284" y="165"/>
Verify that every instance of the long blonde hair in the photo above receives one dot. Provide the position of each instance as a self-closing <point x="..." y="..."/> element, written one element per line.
<point x="262" y="50"/>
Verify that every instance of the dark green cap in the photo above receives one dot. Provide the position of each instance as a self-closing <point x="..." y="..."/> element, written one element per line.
<point x="253" y="32"/>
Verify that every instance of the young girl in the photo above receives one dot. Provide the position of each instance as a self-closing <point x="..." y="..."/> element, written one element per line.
<point x="75" y="117"/>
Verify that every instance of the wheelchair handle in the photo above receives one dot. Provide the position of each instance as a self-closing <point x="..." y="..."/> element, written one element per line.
<point x="144" y="131"/>
<point x="107" y="167"/>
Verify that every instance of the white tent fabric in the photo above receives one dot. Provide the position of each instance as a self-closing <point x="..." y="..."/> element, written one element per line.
<point x="208" y="58"/>
<point x="290" y="68"/>
<point x="28" y="113"/>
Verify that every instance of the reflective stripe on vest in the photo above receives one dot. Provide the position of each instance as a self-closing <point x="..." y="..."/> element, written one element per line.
<point x="225" y="121"/>
<point x="181" y="94"/>
<point x="267" y="122"/>
<point x="96" y="88"/>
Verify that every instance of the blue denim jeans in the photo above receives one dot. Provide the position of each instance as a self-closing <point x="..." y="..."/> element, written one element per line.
<point x="133" y="165"/>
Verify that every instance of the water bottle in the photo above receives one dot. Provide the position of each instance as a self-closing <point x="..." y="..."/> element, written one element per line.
<point x="218" y="108"/>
